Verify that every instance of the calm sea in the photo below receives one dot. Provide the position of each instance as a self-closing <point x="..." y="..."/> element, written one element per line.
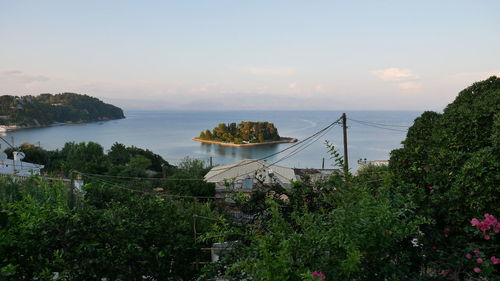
<point x="169" y="134"/>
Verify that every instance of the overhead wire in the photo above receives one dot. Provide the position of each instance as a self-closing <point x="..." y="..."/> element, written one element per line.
<point x="378" y="124"/>
<point x="299" y="149"/>
<point x="143" y="191"/>
<point x="303" y="146"/>
<point x="299" y="143"/>
<point x="141" y="178"/>
<point x="8" y="143"/>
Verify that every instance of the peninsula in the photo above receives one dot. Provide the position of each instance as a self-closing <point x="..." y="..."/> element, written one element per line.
<point x="245" y="133"/>
<point x="20" y="112"/>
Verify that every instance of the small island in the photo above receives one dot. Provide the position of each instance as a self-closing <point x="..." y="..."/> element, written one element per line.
<point x="21" y="112"/>
<point x="245" y="133"/>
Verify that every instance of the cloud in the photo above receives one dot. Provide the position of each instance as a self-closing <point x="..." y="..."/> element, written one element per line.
<point x="271" y="70"/>
<point x="404" y="79"/>
<point x="395" y="74"/>
<point x="18" y="82"/>
<point x="16" y="76"/>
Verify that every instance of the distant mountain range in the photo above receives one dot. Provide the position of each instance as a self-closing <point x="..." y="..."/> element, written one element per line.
<point x="49" y="109"/>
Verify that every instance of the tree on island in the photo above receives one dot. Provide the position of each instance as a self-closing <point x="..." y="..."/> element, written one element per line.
<point x="245" y="131"/>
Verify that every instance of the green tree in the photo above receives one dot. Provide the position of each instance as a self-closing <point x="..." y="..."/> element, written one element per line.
<point x="449" y="162"/>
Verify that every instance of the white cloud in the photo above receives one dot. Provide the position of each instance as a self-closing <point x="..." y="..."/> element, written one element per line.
<point x="17" y="82"/>
<point x="271" y="70"/>
<point x="395" y="74"/>
<point x="16" y="76"/>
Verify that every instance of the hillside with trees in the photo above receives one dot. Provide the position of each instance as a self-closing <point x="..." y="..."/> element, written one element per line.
<point x="48" y="109"/>
<point x="243" y="132"/>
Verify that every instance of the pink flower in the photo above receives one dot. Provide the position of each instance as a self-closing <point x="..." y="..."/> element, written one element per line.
<point x="479" y="260"/>
<point x="483" y="226"/>
<point x="429" y="187"/>
<point x="426" y="169"/>
<point x="319" y="275"/>
<point x="477" y="269"/>
<point x="495" y="260"/>
<point x="490" y="219"/>
<point x="474" y="222"/>
<point x="476" y="251"/>
<point x="487" y="237"/>
<point x="468" y="256"/>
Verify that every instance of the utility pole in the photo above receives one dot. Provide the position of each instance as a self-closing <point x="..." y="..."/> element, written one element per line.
<point x="323" y="164"/>
<point x="346" y="156"/>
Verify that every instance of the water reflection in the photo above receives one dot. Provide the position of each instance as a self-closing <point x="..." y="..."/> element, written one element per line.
<point x="237" y="153"/>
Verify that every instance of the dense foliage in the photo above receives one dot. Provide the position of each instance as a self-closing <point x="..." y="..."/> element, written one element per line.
<point x="357" y="229"/>
<point x="111" y="234"/>
<point x="243" y="132"/>
<point x="47" y="109"/>
<point x="449" y="162"/>
<point x="126" y="165"/>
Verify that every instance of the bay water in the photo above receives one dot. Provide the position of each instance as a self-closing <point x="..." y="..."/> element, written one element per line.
<point x="169" y="133"/>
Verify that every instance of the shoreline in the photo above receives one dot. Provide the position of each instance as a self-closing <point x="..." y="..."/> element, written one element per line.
<point x="6" y="128"/>
<point x="230" y="144"/>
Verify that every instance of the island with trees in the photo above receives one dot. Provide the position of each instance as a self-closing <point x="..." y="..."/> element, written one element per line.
<point x="245" y="133"/>
<point x="19" y="112"/>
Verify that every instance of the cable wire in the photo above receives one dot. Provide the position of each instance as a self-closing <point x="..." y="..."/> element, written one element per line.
<point x="377" y="126"/>
<point x="276" y="153"/>
<point x="7" y="142"/>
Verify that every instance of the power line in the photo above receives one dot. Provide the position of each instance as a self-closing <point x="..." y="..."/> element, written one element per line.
<point x="304" y="146"/>
<point x="276" y="153"/>
<point x="144" y="191"/>
<point x="140" y="178"/>
<point x="7" y="142"/>
<point x="377" y="126"/>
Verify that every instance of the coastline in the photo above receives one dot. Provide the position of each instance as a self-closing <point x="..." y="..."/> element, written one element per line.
<point x="283" y="140"/>
<point x="6" y="128"/>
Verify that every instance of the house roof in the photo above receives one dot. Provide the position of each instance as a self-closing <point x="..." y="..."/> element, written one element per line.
<point x="248" y="168"/>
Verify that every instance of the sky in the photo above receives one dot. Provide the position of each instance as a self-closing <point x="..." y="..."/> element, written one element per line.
<point x="250" y="54"/>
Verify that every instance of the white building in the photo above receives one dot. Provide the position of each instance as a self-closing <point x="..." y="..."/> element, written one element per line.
<point x="363" y="163"/>
<point x="246" y="174"/>
<point x="18" y="167"/>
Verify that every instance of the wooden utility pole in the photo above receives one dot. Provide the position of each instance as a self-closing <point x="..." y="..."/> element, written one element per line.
<point x="346" y="156"/>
